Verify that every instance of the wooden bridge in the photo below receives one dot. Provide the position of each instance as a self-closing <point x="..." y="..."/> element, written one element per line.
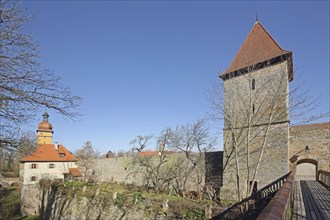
<point x="289" y="197"/>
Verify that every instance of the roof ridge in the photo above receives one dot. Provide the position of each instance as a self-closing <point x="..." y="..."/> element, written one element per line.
<point x="47" y="152"/>
<point x="240" y="48"/>
<point x="269" y="35"/>
<point x="258" y="46"/>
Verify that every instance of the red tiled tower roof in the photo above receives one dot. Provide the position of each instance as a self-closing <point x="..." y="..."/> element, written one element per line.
<point x="48" y="152"/>
<point x="259" y="46"/>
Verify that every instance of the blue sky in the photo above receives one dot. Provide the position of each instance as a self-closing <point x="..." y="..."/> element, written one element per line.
<point x="142" y="66"/>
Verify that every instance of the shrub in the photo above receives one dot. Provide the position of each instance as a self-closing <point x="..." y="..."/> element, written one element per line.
<point x="120" y="200"/>
<point x="195" y="214"/>
<point x="9" y="202"/>
<point x="138" y="197"/>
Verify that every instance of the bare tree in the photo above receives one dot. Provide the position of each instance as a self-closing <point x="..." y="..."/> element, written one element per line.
<point x="21" y="144"/>
<point x="139" y="143"/>
<point x="25" y="86"/>
<point x="193" y="140"/>
<point x="252" y="108"/>
<point x="184" y="170"/>
<point x="121" y="153"/>
<point x="27" y="143"/>
<point x="153" y="167"/>
<point x="86" y="159"/>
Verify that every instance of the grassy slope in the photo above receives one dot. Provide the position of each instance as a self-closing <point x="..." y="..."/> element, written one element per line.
<point x="131" y="196"/>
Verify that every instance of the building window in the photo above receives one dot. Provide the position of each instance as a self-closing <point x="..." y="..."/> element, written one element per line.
<point x="34" y="166"/>
<point x="253" y="109"/>
<point x="62" y="155"/>
<point x="33" y="178"/>
<point x="51" y="165"/>
<point x="253" y="84"/>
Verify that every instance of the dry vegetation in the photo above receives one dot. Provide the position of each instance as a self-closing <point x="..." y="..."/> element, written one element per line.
<point x="128" y="196"/>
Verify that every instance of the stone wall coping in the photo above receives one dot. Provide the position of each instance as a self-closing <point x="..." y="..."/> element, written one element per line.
<point x="323" y="125"/>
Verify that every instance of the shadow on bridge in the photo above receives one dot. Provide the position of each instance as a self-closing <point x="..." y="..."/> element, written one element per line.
<point x="289" y="197"/>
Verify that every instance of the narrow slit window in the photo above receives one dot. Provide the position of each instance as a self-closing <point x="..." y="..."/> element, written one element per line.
<point x="253" y="84"/>
<point x="253" y="109"/>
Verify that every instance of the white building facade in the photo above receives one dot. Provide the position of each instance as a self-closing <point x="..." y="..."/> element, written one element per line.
<point x="48" y="161"/>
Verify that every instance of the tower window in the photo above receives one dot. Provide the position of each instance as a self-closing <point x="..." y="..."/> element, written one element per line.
<point x="33" y="166"/>
<point x="33" y="178"/>
<point x="253" y="84"/>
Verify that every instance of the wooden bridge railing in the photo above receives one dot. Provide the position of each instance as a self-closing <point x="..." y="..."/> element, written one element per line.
<point x="324" y="177"/>
<point x="250" y="207"/>
<point x="304" y="177"/>
<point x="280" y="206"/>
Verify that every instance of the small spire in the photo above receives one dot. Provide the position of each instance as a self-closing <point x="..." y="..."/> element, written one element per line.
<point x="257" y="18"/>
<point x="45" y="116"/>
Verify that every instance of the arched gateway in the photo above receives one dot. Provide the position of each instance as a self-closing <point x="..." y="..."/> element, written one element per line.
<point x="306" y="169"/>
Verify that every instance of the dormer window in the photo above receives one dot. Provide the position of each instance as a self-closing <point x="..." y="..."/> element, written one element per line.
<point x="62" y="155"/>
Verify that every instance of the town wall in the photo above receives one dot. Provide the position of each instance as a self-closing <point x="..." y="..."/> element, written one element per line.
<point x="126" y="170"/>
<point x="317" y="138"/>
<point x="115" y="170"/>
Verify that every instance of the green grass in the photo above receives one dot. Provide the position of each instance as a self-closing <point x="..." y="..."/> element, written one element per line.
<point x="29" y="217"/>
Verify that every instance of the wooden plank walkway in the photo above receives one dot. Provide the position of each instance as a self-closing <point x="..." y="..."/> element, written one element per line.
<point x="311" y="201"/>
<point x="298" y="212"/>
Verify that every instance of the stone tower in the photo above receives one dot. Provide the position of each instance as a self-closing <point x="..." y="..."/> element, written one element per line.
<point x="45" y="131"/>
<point x="256" y="115"/>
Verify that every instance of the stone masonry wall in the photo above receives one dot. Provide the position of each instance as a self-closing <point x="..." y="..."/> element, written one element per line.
<point x="273" y="163"/>
<point x="317" y="138"/>
<point x="248" y="112"/>
<point x="123" y="169"/>
<point x="30" y="199"/>
<point x="115" y="169"/>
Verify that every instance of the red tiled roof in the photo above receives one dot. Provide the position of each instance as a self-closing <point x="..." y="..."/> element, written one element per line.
<point x="148" y="153"/>
<point x="47" y="152"/>
<point x="258" y="46"/>
<point x="75" y="172"/>
<point x="153" y="153"/>
<point x="61" y="150"/>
